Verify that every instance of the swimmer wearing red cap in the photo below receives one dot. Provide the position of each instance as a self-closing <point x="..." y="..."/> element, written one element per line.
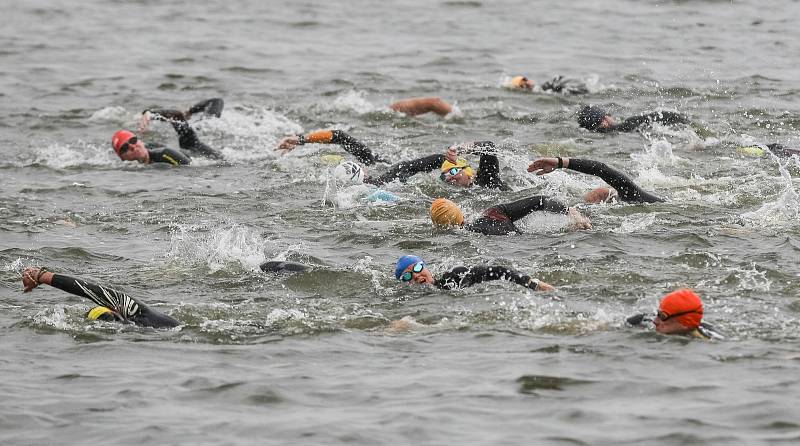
<point x="680" y="313"/>
<point x="412" y="269"/>
<point x="598" y="120"/>
<point x="622" y="187"/>
<point x="130" y="148"/>
<point x="113" y="305"/>
<point x="453" y="170"/>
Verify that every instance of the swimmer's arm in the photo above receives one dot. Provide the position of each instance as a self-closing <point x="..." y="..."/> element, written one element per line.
<point x="520" y="208"/>
<point x="171" y="156"/>
<point x="211" y="106"/>
<point x="419" y="106"/>
<point x="406" y="169"/>
<point x="627" y="189"/>
<point x="117" y="301"/>
<point x="348" y="143"/>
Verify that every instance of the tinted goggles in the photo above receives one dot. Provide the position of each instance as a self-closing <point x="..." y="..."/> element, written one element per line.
<point x="408" y="275"/>
<point x="130" y="142"/>
<point x="453" y="171"/>
<point x="664" y="316"/>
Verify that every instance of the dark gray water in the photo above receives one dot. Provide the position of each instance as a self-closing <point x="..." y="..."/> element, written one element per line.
<point x="313" y="358"/>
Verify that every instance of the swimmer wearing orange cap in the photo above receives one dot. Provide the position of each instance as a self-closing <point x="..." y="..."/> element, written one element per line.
<point x="113" y="305"/>
<point x="680" y="312"/>
<point x="453" y="169"/>
<point x="622" y="187"/>
<point x="499" y="220"/>
<point x="558" y="84"/>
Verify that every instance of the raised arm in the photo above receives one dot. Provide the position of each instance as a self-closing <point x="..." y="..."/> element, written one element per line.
<point x="419" y="106"/>
<point x="187" y="137"/>
<point x="120" y="303"/>
<point x="348" y="143"/>
<point x="627" y="189"/>
<point x="461" y="276"/>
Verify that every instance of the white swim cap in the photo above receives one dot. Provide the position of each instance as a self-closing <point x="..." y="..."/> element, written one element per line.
<point x="349" y="172"/>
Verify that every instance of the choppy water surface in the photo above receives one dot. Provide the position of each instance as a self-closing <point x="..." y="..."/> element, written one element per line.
<point x="315" y="358"/>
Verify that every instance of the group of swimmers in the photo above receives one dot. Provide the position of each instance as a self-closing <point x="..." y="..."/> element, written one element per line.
<point x="679" y="312"/>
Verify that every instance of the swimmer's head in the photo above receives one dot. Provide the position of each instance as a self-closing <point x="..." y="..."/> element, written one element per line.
<point x="458" y="173"/>
<point x="445" y="212"/>
<point x="601" y="195"/>
<point x="128" y="147"/>
<point x="101" y="314"/>
<point x="594" y="118"/>
<point x="412" y="269"/>
<point x="349" y="173"/>
<point x="521" y="83"/>
<point x="679" y="312"/>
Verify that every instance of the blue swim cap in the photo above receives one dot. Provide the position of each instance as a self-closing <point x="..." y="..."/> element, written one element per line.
<point x="403" y="263"/>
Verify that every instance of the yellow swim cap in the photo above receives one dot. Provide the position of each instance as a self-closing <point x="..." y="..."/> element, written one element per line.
<point x="445" y="212"/>
<point x="98" y="312"/>
<point x="460" y="163"/>
<point x="751" y="150"/>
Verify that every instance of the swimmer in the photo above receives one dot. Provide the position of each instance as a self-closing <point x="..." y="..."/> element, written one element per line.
<point x="679" y="312"/>
<point x="278" y="266"/>
<point x="622" y="188"/>
<point x="130" y="148"/>
<point x="598" y="120"/>
<point x="420" y="106"/>
<point x="558" y="84"/>
<point x="499" y="220"/>
<point x="412" y="269"/>
<point x="453" y="169"/>
<point x="113" y="305"/>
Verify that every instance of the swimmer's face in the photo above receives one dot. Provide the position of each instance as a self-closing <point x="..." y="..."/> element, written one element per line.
<point x="670" y="326"/>
<point x="459" y="179"/>
<point x="607" y="122"/>
<point x="422" y="277"/>
<point x="134" y="151"/>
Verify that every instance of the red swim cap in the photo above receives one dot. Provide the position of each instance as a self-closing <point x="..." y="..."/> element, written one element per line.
<point x="120" y="138"/>
<point x="684" y="305"/>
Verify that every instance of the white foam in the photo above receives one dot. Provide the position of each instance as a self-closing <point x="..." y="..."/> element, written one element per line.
<point x="218" y="248"/>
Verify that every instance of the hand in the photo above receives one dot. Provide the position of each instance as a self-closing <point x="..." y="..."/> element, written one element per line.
<point x="544" y="286"/>
<point x="29" y="276"/>
<point x="579" y="221"/>
<point x="452" y="154"/>
<point x="543" y="165"/>
<point x="288" y="144"/>
<point x="144" y="122"/>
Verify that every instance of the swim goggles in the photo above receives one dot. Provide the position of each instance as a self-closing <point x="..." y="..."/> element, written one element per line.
<point x="408" y="275"/>
<point x="451" y="172"/>
<point x="130" y="142"/>
<point x="664" y="316"/>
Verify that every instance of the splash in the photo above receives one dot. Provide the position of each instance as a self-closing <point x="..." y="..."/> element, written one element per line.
<point x="111" y="114"/>
<point x="79" y="153"/>
<point x="219" y="248"/>
<point x="786" y="209"/>
<point x="635" y="224"/>
<point x="354" y="101"/>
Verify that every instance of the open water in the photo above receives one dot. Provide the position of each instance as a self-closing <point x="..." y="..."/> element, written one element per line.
<point x="314" y="358"/>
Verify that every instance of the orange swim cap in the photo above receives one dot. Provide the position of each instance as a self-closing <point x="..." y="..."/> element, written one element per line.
<point x="684" y="305"/>
<point x="521" y="82"/>
<point x="120" y="138"/>
<point x="445" y="212"/>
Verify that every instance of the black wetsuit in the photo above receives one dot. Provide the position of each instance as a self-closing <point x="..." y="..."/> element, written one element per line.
<point x="277" y="266"/>
<point x="462" y="276"/>
<point x="628" y="190"/>
<point x="488" y="173"/>
<point x="351" y="146"/>
<point x="167" y="155"/>
<point x="661" y="117"/>
<point x="130" y="309"/>
<point x="780" y="150"/>
<point x="560" y="84"/>
<point x="187" y="138"/>
<point x="499" y="220"/>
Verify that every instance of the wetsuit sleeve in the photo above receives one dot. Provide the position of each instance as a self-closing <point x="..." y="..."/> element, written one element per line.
<point x="780" y="150"/>
<point x="211" y="107"/>
<point x="348" y="143"/>
<point x="627" y="189"/>
<point x="171" y="156"/>
<point x="129" y="308"/>
<point x="520" y="208"/>
<point x="187" y="137"/>
<point x="461" y="277"/>
<point x="662" y="117"/>
<point x="489" y="173"/>
<point x="404" y="170"/>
